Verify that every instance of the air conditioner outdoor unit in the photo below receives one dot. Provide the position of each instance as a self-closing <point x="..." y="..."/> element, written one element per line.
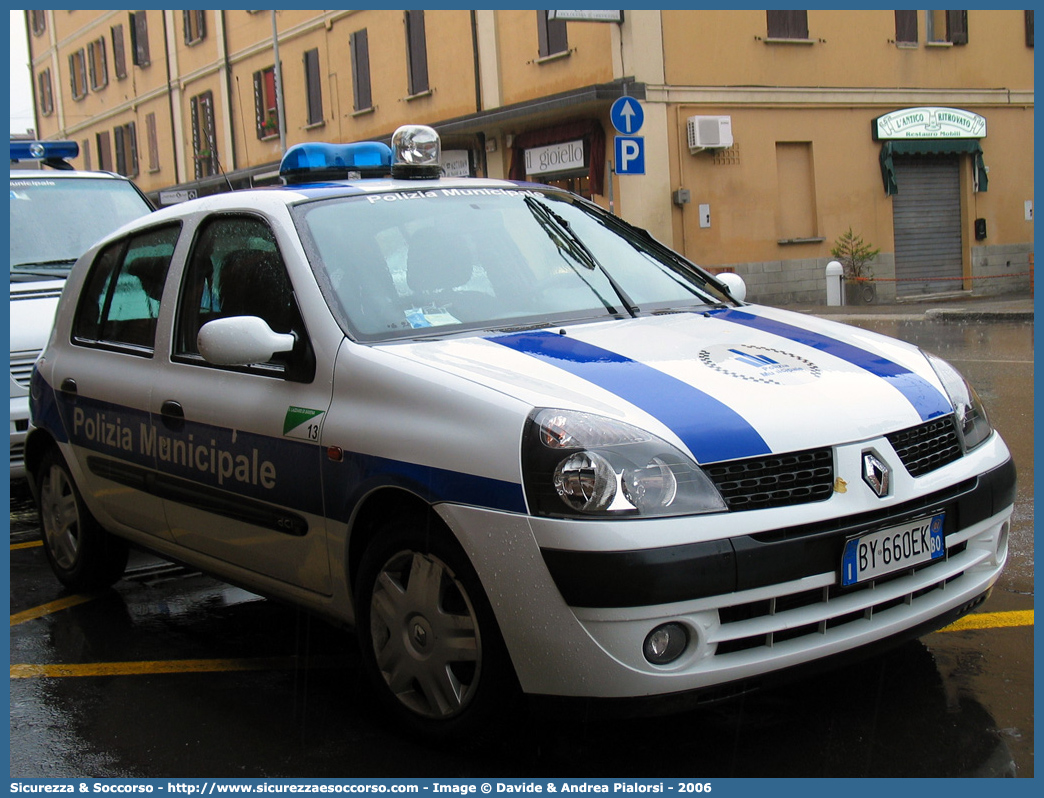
<point x="709" y="132"/>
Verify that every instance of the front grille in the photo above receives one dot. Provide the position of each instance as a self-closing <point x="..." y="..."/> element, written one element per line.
<point x="22" y="366"/>
<point x="779" y="480"/>
<point x="819" y="602"/>
<point x="928" y="446"/>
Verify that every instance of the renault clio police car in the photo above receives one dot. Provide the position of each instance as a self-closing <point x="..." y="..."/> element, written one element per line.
<point x="513" y="441"/>
<point x="56" y="214"/>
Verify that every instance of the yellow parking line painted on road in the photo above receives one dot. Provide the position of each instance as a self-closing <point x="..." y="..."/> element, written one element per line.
<point x="50" y="607"/>
<point x="170" y="666"/>
<point x="991" y="620"/>
<point x="32" y="544"/>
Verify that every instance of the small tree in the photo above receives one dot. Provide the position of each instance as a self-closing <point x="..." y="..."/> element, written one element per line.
<point x="854" y="255"/>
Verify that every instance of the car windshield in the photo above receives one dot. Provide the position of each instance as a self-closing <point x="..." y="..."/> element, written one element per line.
<point x="431" y="262"/>
<point x="54" y="220"/>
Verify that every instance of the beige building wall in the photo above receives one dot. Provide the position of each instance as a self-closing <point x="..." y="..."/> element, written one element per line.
<point x="822" y="94"/>
<point x="803" y="156"/>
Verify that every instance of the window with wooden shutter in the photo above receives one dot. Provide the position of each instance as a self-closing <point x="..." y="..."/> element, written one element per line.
<point x="1029" y="27"/>
<point x="204" y="137"/>
<point x="787" y="24"/>
<point x="957" y="27"/>
<point x="126" y="141"/>
<point x="416" y="53"/>
<point x="313" y="87"/>
<point x="38" y="22"/>
<point x="266" y="111"/>
<point x="97" y="64"/>
<point x="946" y="27"/>
<point x="153" y="142"/>
<point x="104" y="151"/>
<point x="360" y="51"/>
<point x="119" y="56"/>
<point x="906" y="27"/>
<point x="551" y="35"/>
<point x="45" y="92"/>
<point x="195" y="26"/>
<point x="139" y="30"/>
<point x="78" y="75"/>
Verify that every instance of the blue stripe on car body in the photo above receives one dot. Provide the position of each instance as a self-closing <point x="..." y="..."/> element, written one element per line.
<point x="299" y="467"/>
<point x="925" y="397"/>
<point x="709" y="428"/>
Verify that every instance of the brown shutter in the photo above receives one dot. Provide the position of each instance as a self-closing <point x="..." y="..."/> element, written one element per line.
<point x="787" y="24"/>
<point x="140" y="38"/>
<point x="119" y="57"/>
<point x="418" y="52"/>
<point x="360" y="48"/>
<point x="314" y="86"/>
<point x="906" y="27"/>
<point x="259" y="104"/>
<point x="957" y="27"/>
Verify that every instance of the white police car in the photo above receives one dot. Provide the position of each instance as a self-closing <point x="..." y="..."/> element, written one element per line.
<point x="55" y="216"/>
<point x="512" y="440"/>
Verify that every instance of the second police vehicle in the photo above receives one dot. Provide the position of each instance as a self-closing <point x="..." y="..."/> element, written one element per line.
<point x="516" y="443"/>
<point x="56" y="214"/>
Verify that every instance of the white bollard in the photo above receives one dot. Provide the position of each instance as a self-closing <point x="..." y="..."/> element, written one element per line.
<point x="835" y="283"/>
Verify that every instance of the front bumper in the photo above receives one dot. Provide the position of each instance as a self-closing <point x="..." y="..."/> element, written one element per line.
<point x="753" y="604"/>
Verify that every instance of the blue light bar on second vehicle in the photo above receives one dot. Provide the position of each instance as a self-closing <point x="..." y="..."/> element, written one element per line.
<point x="43" y="150"/>
<point x="313" y="162"/>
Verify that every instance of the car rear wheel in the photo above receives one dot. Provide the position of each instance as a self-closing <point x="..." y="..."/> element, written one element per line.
<point x="82" y="555"/>
<point x="429" y="639"/>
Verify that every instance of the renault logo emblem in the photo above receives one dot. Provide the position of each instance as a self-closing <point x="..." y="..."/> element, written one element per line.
<point x="876" y="474"/>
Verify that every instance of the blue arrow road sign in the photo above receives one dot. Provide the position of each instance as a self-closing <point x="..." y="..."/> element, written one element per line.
<point x="630" y="155"/>
<point x="627" y="115"/>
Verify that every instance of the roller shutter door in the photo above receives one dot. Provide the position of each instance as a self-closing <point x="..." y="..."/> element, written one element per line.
<point x="927" y="219"/>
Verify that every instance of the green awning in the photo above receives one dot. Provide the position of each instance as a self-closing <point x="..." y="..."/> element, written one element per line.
<point x="930" y="147"/>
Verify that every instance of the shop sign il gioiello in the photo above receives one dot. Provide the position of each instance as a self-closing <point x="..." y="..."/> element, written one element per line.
<point x="929" y="123"/>
<point x="555" y="158"/>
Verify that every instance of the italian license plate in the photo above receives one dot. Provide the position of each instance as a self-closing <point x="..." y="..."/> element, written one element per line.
<point x="895" y="549"/>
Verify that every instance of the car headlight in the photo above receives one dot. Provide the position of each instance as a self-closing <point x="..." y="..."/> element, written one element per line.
<point x="582" y="465"/>
<point x="973" y="425"/>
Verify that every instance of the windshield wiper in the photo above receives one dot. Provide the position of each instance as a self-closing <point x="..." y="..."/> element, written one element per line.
<point x="555" y="225"/>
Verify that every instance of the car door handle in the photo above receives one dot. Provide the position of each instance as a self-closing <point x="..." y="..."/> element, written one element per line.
<point x="173" y="415"/>
<point x="69" y="386"/>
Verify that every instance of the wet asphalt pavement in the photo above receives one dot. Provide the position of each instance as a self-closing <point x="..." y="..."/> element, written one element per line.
<point x="270" y="692"/>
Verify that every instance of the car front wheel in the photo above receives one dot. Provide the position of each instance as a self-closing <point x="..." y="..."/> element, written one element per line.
<point x="82" y="555"/>
<point x="428" y="636"/>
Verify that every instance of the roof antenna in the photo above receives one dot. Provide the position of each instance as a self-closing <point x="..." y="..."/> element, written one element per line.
<point x="217" y="161"/>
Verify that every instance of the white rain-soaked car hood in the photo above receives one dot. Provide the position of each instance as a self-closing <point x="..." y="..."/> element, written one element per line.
<point x="33" y="305"/>
<point x="723" y="385"/>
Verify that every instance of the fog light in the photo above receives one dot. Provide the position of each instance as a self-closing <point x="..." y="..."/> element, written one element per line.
<point x="665" y="643"/>
<point x="1002" y="543"/>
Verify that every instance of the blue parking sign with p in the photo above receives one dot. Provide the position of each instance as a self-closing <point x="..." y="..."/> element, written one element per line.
<point x="630" y="155"/>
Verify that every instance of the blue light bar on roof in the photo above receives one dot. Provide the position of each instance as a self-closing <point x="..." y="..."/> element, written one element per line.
<point x="43" y="150"/>
<point x="313" y="162"/>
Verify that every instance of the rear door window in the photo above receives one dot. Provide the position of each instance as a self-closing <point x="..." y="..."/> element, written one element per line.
<point x="120" y="301"/>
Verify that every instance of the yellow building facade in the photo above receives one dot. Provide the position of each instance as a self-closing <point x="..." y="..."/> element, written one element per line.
<point x="749" y="141"/>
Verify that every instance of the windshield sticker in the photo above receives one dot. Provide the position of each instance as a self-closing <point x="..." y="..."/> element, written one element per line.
<point x="399" y="196"/>
<point x="760" y="364"/>
<point x="432" y="317"/>
<point x="303" y="423"/>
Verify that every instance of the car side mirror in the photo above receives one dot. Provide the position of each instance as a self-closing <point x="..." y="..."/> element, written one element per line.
<point x="240" y="341"/>
<point x="737" y="287"/>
